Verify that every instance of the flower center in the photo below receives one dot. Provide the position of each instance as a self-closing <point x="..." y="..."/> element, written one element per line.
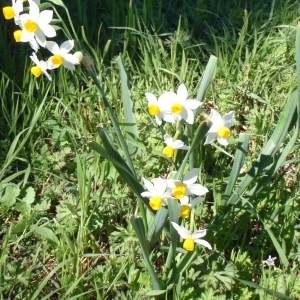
<point x="179" y="191"/>
<point x="185" y="211"/>
<point x="31" y="26"/>
<point x="189" y="244"/>
<point x="153" y="109"/>
<point x="57" y="60"/>
<point x="168" y="151"/>
<point x="36" y="71"/>
<point x="224" y="132"/>
<point x="8" y="12"/>
<point x="155" y="202"/>
<point x="17" y="35"/>
<point x="176" y="108"/>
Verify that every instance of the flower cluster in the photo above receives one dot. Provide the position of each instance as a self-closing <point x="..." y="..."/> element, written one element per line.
<point x="173" y="107"/>
<point x="34" y="28"/>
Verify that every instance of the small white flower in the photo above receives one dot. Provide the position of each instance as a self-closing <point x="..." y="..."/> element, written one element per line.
<point x="41" y="67"/>
<point x="220" y="127"/>
<point x="35" y="25"/>
<point x="172" y="145"/>
<point x="177" y="106"/>
<point x="154" y="107"/>
<point x="191" y="238"/>
<point x="156" y="191"/>
<point x="269" y="262"/>
<point x="13" y="11"/>
<point x="187" y="186"/>
<point x="61" y="55"/>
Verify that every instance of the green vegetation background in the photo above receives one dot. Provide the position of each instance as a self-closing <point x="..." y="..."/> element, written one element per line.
<point x="64" y="211"/>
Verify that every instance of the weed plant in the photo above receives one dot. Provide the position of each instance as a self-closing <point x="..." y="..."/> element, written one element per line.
<point x="74" y="224"/>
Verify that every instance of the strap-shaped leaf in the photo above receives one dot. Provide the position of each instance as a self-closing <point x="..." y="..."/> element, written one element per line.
<point x="109" y="152"/>
<point x="265" y="159"/>
<point x="239" y="159"/>
<point x="138" y="226"/>
<point x="129" y="113"/>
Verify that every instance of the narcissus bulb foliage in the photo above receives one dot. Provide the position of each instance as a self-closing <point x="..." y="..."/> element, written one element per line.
<point x="191" y="238"/>
<point x="172" y="145"/>
<point x="35" y="25"/>
<point x="187" y="186"/>
<point x="220" y="128"/>
<point x="40" y="67"/>
<point x="61" y="55"/>
<point x="156" y="192"/>
<point x="178" y="107"/>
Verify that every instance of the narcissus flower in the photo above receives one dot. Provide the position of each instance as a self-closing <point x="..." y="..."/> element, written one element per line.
<point x="187" y="186"/>
<point x="177" y="106"/>
<point x="185" y="207"/>
<point x="35" y="25"/>
<point x="40" y="67"/>
<point x="191" y="238"/>
<point x="154" y="107"/>
<point x="157" y="192"/>
<point x="61" y="55"/>
<point x="172" y="145"/>
<point x="13" y="11"/>
<point x="220" y="127"/>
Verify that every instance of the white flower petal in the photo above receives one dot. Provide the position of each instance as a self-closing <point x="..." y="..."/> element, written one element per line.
<point x="52" y="47"/>
<point x="184" y="200"/>
<point x="159" y="185"/>
<point x="151" y="98"/>
<point x="189" y="118"/>
<point x="222" y="141"/>
<point x="48" y="30"/>
<point x="210" y="138"/>
<point x="45" y="16"/>
<point x="148" y="185"/>
<point x="34" y="10"/>
<point x="40" y="37"/>
<point x="158" y="119"/>
<point x="203" y="243"/>
<point x="191" y="176"/>
<point x="182" y="92"/>
<point x="192" y="104"/>
<point x="229" y="119"/>
<point x="216" y="118"/>
<point x="168" y="140"/>
<point x="197" y="189"/>
<point x="199" y="234"/>
<point x="178" y="144"/>
<point x="166" y="99"/>
<point x="67" y="46"/>
<point x="184" y="233"/>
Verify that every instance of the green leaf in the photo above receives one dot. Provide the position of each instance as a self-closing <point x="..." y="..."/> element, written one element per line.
<point x="129" y="113"/>
<point x="9" y="198"/>
<point x="239" y="159"/>
<point x="44" y="233"/>
<point x="154" y="293"/>
<point x="207" y="77"/>
<point x="265" y="159"/>
<point x="138" y="226"/>
<point x="267" y="290"/>
<point x="279" y="249"/>
<point x="30" y="196"/>
<point x="157" y="225"/>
